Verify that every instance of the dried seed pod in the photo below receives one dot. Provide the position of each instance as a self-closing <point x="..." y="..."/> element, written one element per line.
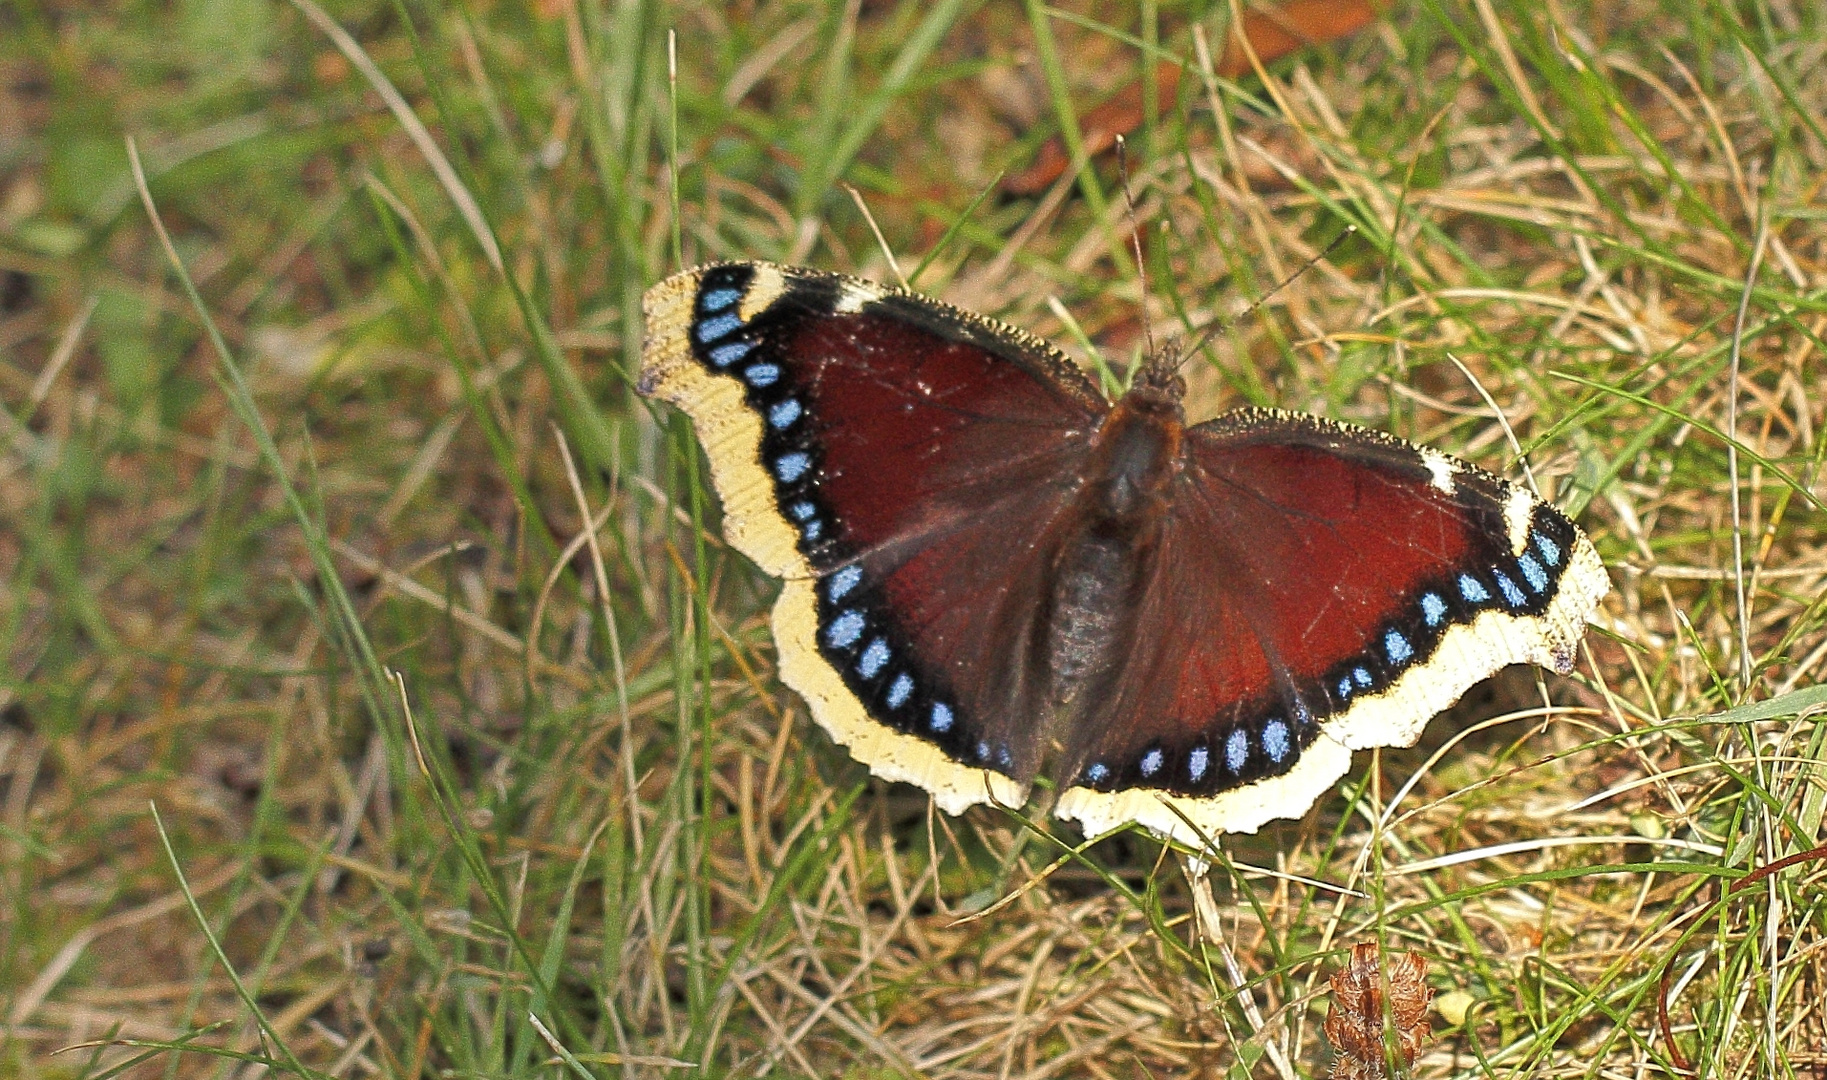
<point x="1355" y="1026"/>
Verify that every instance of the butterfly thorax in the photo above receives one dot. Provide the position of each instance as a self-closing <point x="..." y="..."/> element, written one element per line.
<point x="1134" y="457"/>
<point x="1112" y="528"/>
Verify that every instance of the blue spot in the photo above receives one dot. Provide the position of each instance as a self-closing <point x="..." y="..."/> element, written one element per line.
<point x="802" y="511"/>
<point x="1097" y="772"/>
<point x="1433" y="609"/>
<point x="942" y="717"/>
<point x="813" y="530"/>
<point x="725" y="355"/>
<point x="1397" y="646"/>
<point x="718" y="299"/>
<point x="845" y="629"/>
<point x="840" y="583"/>
<point x="874" y="659"/>
<point x="790" y="467"/>
<point x="899" y="691"/>
<point x="1275" y="740"/>
<point x="1550" y="550"/>
<point x="1510" y="592"/>
<point x="1362" y="676"/>
<point x="1237" y="750"/>
<point x="1196" y="762"/>
<point x="1151" y="761"/>
<point x="762" y="374"/>
<point x="711" y="329"/>
<point x="783" y="414"/>
<point x="1345" y="688"/>
<point x="1003" y="757"/>
<point x="983" y="751"/>
<point x="1472" y="589"/>
<point x="1533" y="573"/>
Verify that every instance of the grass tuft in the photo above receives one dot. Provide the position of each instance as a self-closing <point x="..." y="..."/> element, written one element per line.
<point x="331" y="527"/>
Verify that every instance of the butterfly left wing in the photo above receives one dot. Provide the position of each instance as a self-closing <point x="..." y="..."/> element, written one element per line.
<point x="894" y="459"/>
<point x="1317" y="588"/>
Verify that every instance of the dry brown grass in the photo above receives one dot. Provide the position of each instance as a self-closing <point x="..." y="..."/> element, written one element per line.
<point x="628" y="829"/>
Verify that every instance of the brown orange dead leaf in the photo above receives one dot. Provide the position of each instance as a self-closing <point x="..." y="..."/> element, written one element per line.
<point x="1272" y="32"/>
<point x="1355" y="1025"/>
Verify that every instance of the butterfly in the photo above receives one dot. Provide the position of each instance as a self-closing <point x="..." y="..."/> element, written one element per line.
<point x="993" y="573"/>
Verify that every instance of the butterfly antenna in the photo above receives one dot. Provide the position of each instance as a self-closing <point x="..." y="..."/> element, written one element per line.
<point x="1135" y="240"/>
<point x="1221" y="324"/>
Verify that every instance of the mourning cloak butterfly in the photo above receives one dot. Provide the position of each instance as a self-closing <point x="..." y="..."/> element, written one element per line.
<point x="990" y="570"/>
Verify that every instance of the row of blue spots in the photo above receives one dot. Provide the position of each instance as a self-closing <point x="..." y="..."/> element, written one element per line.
<point x="1360" y="676"/>
<point x="850" y="625"/>
<point x="714" y="324"/>
<point x="807" y="515"/>
<point x="1277" y="743"/>
<point x="717" y="327"/>
<point x="805" y="512"/>
<point x="1474" y="591"/>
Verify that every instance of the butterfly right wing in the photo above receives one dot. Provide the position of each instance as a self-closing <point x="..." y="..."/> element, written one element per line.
<point x="1319" y="588"/>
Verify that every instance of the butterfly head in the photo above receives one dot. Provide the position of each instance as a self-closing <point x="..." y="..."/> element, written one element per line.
<point x="1160" y="374"/>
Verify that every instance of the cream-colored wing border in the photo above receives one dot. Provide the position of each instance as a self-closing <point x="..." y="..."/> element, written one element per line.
<point x="1240" y="810"/>
<point x="888" y="753"/>
<point x="731" y="433"/>
<point x="727" y="428"/>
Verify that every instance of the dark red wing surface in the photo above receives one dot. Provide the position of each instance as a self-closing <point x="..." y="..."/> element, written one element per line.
<point x="1305" y="566"/>
<point x="925" y="454"/>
